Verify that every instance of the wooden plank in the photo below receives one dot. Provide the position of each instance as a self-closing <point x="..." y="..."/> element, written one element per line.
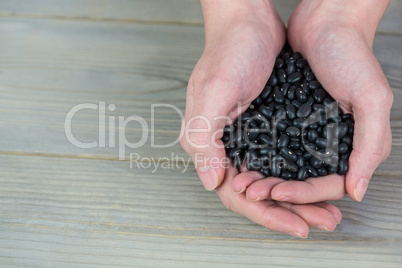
<point x="161" y="11"/>
<point x="155" y="11"/>
<point x="48" y="66"/>
<point x="65" y="212"/>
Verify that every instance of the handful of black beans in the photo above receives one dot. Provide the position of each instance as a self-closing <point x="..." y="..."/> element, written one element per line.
<point x="294" y="129"/>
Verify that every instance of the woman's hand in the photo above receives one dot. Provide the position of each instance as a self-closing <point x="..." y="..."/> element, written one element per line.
<point x="336" y="37"/>
<point x="242" y="41"/>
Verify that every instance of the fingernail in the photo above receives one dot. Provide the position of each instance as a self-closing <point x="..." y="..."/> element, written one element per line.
<point x="242" y="190"/>
<point x="280" y="198"/>
<point x="361" y="188"/>
<point x="298" y="235"/>
<point x="258" y="198"/>
<point x="208" y="177"/>
<point x="323" y="227"/>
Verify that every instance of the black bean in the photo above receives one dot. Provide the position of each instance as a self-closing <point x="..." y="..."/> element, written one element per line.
<point x="252" y="133"/>
<point x="311" y="171"/>
<point x="295" y="139"/>
<point x="321" y="143"/>
<point x="301" y="161"/>
<point x="267" y="151"/>
<point x="292" y="93"/>
<point x="346" y="116"/>
<point x="312" y="135"/>
<point x="347" y="140"/>
<point x="315" y="162"/>
<point x="336" y="119"/>
<point x="318" y="107"/>
<point x="243" y="144"/>
<point x="332" y="169"/>
<point x="296" y="103"/>
<point x="293" y="131"/>
<point x="300" y="123"/>
<point x="265" y="139"/>
<point x="314" y="84"/>
<point x="305" y="88"/>
<point x="310" y="76"/>
<point x="300" y="63"/>
<point x="286" y="55"/>
<point x="279" y="63"/>
<point x="302" y="174"/>
<point x="342" y="130"/>
<point x="280" y="113"/>
<point x="238" y="161"/>
<point x="238" y="136"/>
<point x="273" y="80"/>
<point x="342" y="166"/>
<point x="319" y="95"/>
<point x="281" y="125"/>
<point x="266" y="92"/>
<point x="310" y="100"/>
<point x="288" y="122"/>
<point x="277" y="161"/>
<point x="327" y="101"/>
<point x="343" y="148"/>
<point x="346" y="155"/>
<point x="294" y="77"/>
<point x="322" y="171"/>
<point x="278" y="95"/>
<point x="266" y="172"/>
<point x="264" y="110"/>
<point x="288" y="154"/>
<point x="287" y="175"/>
<point x="285" y="88"/>
<point x="257" y="101"/>
<point x="291" y="68"/>
<point x="253" y="165"/>
<point x="281" y="74"/>
<point x="235" y="151"/>
<point x="294" y="145"/>
<point x="291" y="111"/>
<point x="304" y="110"/>
<point x="289" y="165"/>
<point x="313" y="126"/>
<point x="283" y="140"/>
<point x="301" y="95"/>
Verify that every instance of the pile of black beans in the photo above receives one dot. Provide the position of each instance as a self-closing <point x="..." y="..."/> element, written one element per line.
<point x="294" y="129"/>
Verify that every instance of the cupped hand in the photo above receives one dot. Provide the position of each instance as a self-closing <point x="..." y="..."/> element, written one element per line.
<point x="337" y="41"/>
<point x="239" y="55"/>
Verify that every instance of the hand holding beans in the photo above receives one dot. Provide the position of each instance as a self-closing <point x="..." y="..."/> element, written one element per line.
<point x="337" y="38"/>
<point x="243" y="39"/>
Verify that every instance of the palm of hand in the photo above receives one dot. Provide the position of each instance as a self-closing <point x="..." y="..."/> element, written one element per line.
<point x="341" y="57"/>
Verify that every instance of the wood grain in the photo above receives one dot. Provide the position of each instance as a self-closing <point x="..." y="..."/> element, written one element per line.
<point x="52" y="66"/>
<point x="93" y="212"/>
<point x="62" y="206"/>
<point x="181" y="12"/>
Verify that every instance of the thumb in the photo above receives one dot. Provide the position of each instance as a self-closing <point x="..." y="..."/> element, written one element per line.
<point x="371" y="121"/>
<point x="202" y="130"/>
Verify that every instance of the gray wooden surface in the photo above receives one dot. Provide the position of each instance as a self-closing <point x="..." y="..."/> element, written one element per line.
<point x="62" y="206"/>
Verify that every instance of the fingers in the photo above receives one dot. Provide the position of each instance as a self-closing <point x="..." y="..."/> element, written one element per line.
<point x="312" y="190"/>
<point x="315" y="216"/>
<point x="372" y="118"/>
<point x="202" y="130"/>
<point x="265" y="213"/>
<point x="331" y="208"/>
<point x="244" y="179"/>
<point x="261" y="190"/>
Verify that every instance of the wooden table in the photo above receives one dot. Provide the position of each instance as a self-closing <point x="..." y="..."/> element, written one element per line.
<point x="63" y="206"/>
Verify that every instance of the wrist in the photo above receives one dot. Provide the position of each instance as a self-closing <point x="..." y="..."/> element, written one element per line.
<point x="221" y="14"/>
<point x="363" y="16"/>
